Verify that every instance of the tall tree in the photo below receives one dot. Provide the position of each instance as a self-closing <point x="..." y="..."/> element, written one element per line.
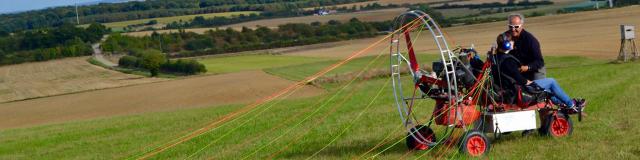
<point x="151" y="60"/>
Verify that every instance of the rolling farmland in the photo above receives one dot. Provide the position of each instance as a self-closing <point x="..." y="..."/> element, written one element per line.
<point x="284" y="124"/>
<point x="347" y="119"/>
<point x="373" y="15"/>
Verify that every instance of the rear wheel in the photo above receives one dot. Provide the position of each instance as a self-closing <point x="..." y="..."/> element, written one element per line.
<point x="559" y="125"/>
<point x="475" y="144"/>
<point x="422" y="139"/>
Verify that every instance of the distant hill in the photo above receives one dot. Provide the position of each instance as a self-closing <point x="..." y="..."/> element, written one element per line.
<point x="106" y="1"/>
<point x="104" y="11"/>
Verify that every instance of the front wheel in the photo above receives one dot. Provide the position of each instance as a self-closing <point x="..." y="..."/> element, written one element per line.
<point x="475" y="144"/>
<point x="557" y="125"/>
<point x="420" y="137"/>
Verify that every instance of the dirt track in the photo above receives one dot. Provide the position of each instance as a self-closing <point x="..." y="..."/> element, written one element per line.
<point x="594" y="34"/>
<point x="193" y="92"/>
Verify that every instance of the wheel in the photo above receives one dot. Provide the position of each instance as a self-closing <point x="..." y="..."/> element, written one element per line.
<point x="559" y="125"/>
<point x="422" y="138"/>
<point x="475" y="144"/>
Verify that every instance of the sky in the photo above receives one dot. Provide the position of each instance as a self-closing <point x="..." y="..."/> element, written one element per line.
<point x="8" y="6"/>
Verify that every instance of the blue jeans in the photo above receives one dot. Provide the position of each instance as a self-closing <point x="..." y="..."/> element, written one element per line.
<point x="551" y="85"/>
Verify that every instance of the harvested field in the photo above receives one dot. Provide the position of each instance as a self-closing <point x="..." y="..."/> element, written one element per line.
<point x="547" y="9"/>
<point x="463" y="2"/>
<point x="374" y="15"/>
<point x="204" y="91"/>
<point x="592" y="34"/>
<point x="41" y="79"/>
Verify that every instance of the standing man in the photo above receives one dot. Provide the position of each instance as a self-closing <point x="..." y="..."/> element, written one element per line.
<point x="526" y="49"/>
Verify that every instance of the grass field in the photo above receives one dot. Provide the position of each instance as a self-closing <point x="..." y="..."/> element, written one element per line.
<point x="342" y="124"/>
<point x="218" y="65"/>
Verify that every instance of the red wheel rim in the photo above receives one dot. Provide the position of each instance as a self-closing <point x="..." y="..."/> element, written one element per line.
<point x="421" y="146"/>
<point x="476" y="146"/>
<point x="560" y="127"/>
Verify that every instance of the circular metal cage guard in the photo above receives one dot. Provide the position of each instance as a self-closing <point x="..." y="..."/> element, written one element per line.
<point x="400" y="58"/>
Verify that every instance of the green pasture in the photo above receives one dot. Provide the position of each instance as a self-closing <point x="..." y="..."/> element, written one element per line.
<point x="301" y="71"/>
<point x="347" y="122"/>
<point x="227" y="64"/>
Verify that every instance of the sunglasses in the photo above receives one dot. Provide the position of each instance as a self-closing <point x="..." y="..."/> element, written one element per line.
<point x="514" y="26"/>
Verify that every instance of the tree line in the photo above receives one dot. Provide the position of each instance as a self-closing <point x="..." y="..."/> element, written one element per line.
<point x="186" y="44"/>
<point x="621" y="3"/>
<point x="113" y="12"/>
<point x="147" y="52"/>
<point x="155" y="62"/>
<point x="50" y="43"/>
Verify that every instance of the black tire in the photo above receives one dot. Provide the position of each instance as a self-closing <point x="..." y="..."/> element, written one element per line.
<point x="424" y="131"/>
<point x="557" y="126"/>
<point x="475" y="144"/>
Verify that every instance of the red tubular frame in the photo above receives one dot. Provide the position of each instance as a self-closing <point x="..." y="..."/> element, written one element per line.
<point x="412" y="55"/>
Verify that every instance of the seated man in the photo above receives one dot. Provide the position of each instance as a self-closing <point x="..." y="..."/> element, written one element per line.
<point x="508" y="65"/>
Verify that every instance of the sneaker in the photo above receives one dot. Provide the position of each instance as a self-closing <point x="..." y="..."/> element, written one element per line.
<point x="579" y="105"/>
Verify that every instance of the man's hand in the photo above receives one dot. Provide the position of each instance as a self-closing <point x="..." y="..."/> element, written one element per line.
<point x="524" y="68"/>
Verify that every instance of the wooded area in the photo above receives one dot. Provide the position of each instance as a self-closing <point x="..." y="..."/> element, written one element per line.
<point x="186" y="44"/>
<point x="113" y="12"/>
<point x="46" y="44"/>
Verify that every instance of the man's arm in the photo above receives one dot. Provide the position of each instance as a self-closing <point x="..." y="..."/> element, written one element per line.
<point x="510" y="68"/>
<point x="536" y="54"/>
